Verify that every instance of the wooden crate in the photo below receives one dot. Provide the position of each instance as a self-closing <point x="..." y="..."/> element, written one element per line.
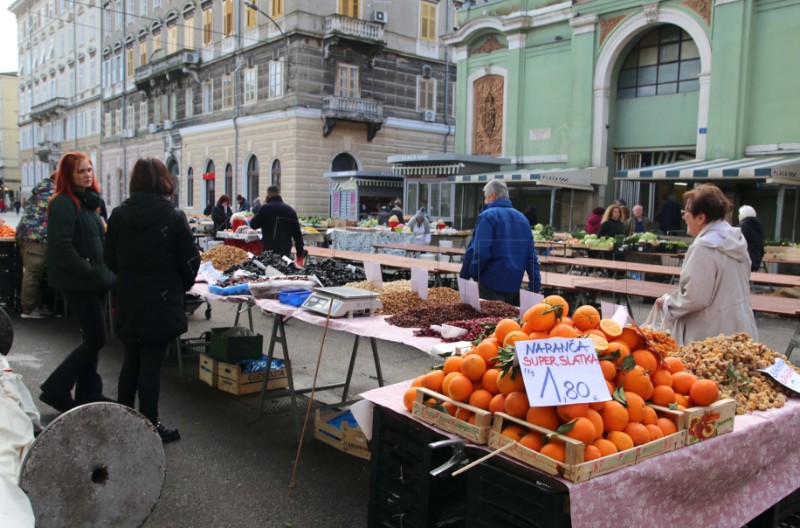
<point x="208" y="370"/>
<point x="702" y="423"/>
<point x="231" y="379"/>
<point x="575" y="468"/>
<point x="477" y="433"/>
<point x="347" y="439"/>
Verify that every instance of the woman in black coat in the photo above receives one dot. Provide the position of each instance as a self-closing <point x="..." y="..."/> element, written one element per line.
<point x="150" y="246"/>
<point x="221" y="214"/>
<point x="612" y="222"/>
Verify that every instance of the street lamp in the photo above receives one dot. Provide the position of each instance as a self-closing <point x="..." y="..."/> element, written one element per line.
<point x="251" y="5"/>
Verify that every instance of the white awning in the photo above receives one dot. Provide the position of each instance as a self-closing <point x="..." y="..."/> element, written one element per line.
<point x="783" y="170"/>
<point x="578" y="179"/>
<point x="427" y="170"/>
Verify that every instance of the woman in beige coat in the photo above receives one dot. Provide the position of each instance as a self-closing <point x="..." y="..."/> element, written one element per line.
<point x="714" y="293"/>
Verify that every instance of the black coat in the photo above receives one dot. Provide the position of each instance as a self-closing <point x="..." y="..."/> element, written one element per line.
<point x="670" y="217"/>
<point x="150" y="247"/>
<point x="279" y="225"/>
<point x="611" y="228"/>
<point x="221" y="217"/>
<point x="754" y="234"/>
<point x="383" y="216"/>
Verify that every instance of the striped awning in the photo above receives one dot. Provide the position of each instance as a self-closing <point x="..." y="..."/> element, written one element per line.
<point x="579" y="179"/>
<point x="352" y="184"/>
<point x="773" y="169"/>
<point x="444" y="169"/>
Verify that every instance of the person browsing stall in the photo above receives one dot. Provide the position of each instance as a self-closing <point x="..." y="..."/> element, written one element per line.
<point x="32" y="240"/>
<point x="754" y="235"/>
<point x="420" y="228"/>
<point x="713" y="296"/>
<point x="501" y="249"/>
<point x="221" y="214"/>
<point x="638" y="223"/>
<point x="279" y="225"/>
<point x="612" y="222"/>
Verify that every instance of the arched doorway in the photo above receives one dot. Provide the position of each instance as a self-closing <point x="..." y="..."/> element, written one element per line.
<point x="209" y="177"/>
<point x="229" y="181"/>
<point x="252" y="179"/>
<point x="174" y="172"/>
<point x="276" y="173"/>
<point x="344" y="162"/>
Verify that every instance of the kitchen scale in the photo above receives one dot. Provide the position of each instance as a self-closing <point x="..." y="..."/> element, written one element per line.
<point x="347" y="301"/>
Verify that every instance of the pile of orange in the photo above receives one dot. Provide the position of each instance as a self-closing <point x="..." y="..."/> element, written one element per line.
<point x="636" y="378"/>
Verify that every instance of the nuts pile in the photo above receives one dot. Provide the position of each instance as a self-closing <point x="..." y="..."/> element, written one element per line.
<point x="732" y="361"/>
<point x="364" y="285"/>
<point x="223" y="257"/>
<point x="395" y="302"/>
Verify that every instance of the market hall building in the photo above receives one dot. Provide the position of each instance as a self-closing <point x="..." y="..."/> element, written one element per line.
<point x="662" y="96"/>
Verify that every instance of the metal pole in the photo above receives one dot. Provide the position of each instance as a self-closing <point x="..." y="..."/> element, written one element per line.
<point x="552" y="203"/>
<point x="779" y="210"/>
<point x="794" y="221"/>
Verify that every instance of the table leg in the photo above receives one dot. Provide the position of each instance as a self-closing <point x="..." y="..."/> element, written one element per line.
<point x="350" y="368"/>
<point x="279" y="336"/>
<point x="374" y="343"/>
<point x="249" y="308"/>
<point x="793" y="343"/>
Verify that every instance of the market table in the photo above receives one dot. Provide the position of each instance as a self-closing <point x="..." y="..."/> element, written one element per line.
<point x="423" y="248"/>
<point x="724" y="481"/>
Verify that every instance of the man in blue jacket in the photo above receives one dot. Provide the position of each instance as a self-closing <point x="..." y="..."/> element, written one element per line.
<point x="501" y="249"/>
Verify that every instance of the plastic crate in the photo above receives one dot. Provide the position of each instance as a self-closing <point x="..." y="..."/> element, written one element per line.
<point x="255" y="247"/>
<point x="294" y="297"/>
<point x="232" y="349"/>
<point x="403" y="494"/>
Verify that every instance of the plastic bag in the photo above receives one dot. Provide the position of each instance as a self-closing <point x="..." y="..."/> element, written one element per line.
<point x="448" y="331"/>
<point x="655" y="319"/>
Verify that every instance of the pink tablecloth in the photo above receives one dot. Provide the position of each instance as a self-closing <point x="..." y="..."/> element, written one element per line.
<point x="722" y="482"/>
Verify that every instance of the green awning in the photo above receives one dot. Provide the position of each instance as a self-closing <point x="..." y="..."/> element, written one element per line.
<point x="772" y="169"/>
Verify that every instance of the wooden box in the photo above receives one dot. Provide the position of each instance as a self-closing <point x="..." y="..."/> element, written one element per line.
<point x="702" y="423"/>
<point x="337" y="432"/>
<point x="477" y="433"/>
<point x="231" y="379"/>
<point x="208" y="370"/>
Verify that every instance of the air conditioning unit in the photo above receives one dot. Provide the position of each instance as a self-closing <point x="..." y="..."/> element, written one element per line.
<point x="429" y="116"/>
<point x="380" y="17"/>
<point x="426" y="71"/>
<point x="168" y="124"/>
<point x="129" y="133"/>
<point x="190" y="57"/>
<point x="152" y="128"/>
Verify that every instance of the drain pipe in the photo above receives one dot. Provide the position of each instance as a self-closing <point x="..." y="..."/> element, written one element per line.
<point x="236" y="71"/>
<point x="446" y="79"/>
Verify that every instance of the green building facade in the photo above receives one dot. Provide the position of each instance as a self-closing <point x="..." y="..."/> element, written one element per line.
<point x="664" y="95"/>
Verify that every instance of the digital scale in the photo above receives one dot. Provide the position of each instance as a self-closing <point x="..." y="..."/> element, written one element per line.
<point x="347" y="301"/>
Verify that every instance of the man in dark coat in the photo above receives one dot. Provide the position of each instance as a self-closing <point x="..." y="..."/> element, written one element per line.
<point x="670" y="218"/>
<point x="279" y="225"/>
<point x="754" y="235"/>
<point x="397" y="210"/>
<point x="243" y="205"/>
<point x="384" y="214"/>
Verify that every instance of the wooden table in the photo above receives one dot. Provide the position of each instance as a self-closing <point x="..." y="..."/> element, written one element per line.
<point x="423" y="248"/>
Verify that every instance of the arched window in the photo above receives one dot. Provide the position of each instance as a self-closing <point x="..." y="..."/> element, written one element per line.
<point x="252" y="179"/>
<point x="276" y="173"/>
<point x="190" y="187"/>
<point x="344" y="162"/>
<point x="174" y="171"/>
<point x="208" y="177"/>
<point x="229" y="180"/>
<point x="120" y="187"/>
<point x="664" y="61"/>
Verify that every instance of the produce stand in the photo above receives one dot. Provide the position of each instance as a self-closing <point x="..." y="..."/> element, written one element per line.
<point x="724" y="481"/>
<point x="363" y="240"/>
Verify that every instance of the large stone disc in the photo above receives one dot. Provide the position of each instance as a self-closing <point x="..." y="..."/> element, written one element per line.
<point x="6" y="333"/>
<point x="98" y="465"/>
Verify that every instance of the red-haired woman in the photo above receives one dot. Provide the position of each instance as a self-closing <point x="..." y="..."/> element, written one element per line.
<point x="75" y="237"/>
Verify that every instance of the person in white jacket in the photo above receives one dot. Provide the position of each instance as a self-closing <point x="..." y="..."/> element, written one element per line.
<point x="714" y="291"/>
<point x="420" y="227"/>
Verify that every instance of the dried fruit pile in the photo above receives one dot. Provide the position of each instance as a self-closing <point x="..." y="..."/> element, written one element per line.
<point x="732" y="361"/>
<point x="431" y="314"/>
<point x="475" y="328"/>
<point x="223" y="257"/>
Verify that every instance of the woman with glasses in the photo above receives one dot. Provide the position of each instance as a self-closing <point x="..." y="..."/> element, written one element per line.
<point x="714" y="291"/>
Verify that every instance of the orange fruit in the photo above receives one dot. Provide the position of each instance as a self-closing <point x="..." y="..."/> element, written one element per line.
<point x="532" y="441"/>
<point x="539" y="318"/>
<point x="513" y="337"/>
<point x="594" y="331"/>
<point x="489" y="380"/>
<point x="609" y="369"/>
<point x="571" y="411"/>
<point x="655" y="432"/>
<point x="674" y="364"/>
<point x="557" y="300"/>
<point x="563" y="330"/>
<point x="661" y="377"/>
<point x="516" y="404"/>
<point x="511" y="381"/>
<point x="620" y="439"/>
<point x="610" y="328"/>
<point x="409" y="397"/>
<point x="597" y="406"/>
<point x="650" y="416"/>
<point x="488" y="351"/>
<point x="621" y="348"/>
<point x="632" y="338"/>
<point x="635" y="407"/>
<point x="504" y="327"/>
<point x="646" y="359"/>
<point x="473" y="367"/>
<point x="567" y="321"/>
<point x="555" y="450"/>
<point x="460" y="388"/>
<point x="481" y="399"/>
<point x="663" y="395"/>
<point x="582" y="430"/>
<point x="682" y="382"/>
<point x="538" y="335"/>
<point x="543" y="417"/>
<point x="591" y="453"/>
<point x="638" y="433"/>
<point x="498" y="403"/>
<point x="667" y="426"/>
<point x="606" y="447"/>
<point x="637" y="380"/>
<point x="446" y="381"/>
<point x="615" y="416"/>
<point x="452" y="364"/>
<point x="464" y="414"/>
<point x="417" y="381"/>
<point x="433" y="380"/>
<point x="586" y="317"/>
<point x="704" y="392"/>
<point x="680" y="399"/>
<point x="597" y="421"/>
<point x="600" y="343"/>
<point x="515" y="432"/>
<point x="450" y="408"/>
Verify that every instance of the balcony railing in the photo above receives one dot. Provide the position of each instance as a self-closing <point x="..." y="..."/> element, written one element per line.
<point x="367" y="111"/>
<point x="354" y="29"/>
<point x="164" y="66"/>
<point x="52" y="106"/>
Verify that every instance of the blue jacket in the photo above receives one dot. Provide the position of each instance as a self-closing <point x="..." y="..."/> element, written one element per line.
<point x="501" y="250"/>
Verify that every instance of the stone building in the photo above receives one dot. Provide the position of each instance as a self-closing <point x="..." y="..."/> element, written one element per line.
<point x="10" y="181"/>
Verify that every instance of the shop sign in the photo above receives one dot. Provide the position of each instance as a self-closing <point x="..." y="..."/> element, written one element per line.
<point x="209" y="176"/>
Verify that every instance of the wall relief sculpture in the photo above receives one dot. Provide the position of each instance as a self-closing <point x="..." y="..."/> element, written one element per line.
<point x="487" y="128"/>
<point x="489" y="45"/>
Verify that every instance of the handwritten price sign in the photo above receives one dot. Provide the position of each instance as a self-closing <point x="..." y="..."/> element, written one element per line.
<point x="561" y="371"/>
<point x="784" y="374"/>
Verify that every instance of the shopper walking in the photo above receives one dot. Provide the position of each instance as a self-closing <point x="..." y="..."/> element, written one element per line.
<point x="279" y="225"/>
<point x="753" y="234"/>
<point x="75" y="266"/>
<point x="32" y="241"/>
<point x="150" y="247"/>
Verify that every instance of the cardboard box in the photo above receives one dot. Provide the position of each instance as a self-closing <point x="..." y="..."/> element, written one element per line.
<point x="477" y="433"/>
<point x="231" y="379"/>
<point x="335" y="430"/>
<point x="232" y="349"/>
<point x="208" y="370"/>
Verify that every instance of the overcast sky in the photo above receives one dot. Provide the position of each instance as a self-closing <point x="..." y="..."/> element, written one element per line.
<point x="8" y="28"/>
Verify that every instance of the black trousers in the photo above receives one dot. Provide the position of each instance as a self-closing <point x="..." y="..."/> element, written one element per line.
<point x="492" y="295"/>
<point x="79" y="368"/>
<point x="141" y="373"/>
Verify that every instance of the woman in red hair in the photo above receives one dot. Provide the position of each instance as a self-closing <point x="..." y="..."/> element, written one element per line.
<point x="75" y="237"/>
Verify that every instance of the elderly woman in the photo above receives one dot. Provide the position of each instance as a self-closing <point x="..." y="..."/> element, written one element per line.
<point x="714" y="293"/>
<point x="420" y="228"/>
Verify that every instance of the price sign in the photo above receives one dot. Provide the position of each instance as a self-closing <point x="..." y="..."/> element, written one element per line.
<point x="784" y="374"/>
<point x="528" y="299"/>
<point x="419" y="282"/>
<point x="374" y="274"/>
<point x="561" y="371"/>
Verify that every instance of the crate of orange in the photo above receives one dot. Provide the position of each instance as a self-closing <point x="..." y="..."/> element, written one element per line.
<point x="462" y="419"/>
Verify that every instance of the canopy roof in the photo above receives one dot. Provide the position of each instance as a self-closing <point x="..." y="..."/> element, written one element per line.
<point x="773" y="169"/>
